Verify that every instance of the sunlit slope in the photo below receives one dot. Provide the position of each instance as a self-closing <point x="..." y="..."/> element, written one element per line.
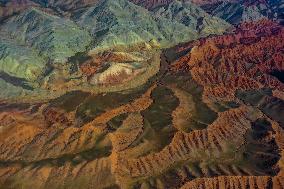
<point x="54" y="37"/>
<point x="123" y="23"/>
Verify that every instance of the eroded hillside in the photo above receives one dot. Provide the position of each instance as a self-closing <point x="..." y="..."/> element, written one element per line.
<point x="210" y="117"/>
<point x="103" y="94"/>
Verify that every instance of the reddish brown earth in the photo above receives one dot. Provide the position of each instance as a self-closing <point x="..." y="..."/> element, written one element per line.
<point x="211" y="118"/>
<point x="225" y="64"/>
<point x="95" y="62"/>
<point x="98" y="141"/>
<point x="242" y="59"/>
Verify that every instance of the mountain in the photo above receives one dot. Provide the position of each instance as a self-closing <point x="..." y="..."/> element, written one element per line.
<point x="20" y="61"/>
<point x="151" y="4"/>
<point x="233" y="11"/>
<point x="65" y="5"/>
<point x="44" y="36"/>
<point x="236" y="12"/>
<point x="192" y="16"/>
<point x="209" y="116"/>
<point x="121" y="22"/>
<point x="141" y="94"/>
<point x="54" y="37"/>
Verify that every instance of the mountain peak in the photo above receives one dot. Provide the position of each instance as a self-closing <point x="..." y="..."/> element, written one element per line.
<point x="49" y="34"/>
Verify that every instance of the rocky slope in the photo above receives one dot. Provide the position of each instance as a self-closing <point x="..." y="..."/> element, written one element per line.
<point x="235" y="13"/>
<point x="20" y="61"/>
<point x="238" y="11"/>
<point x="69" y="62"/>
<point x="65" y="6"/>
<point x="232" y="11"/>
<point x="49" y="34"/>
<point x="152" y="3"/>
<point x="102" y="95"/>
<point x="114" y="26"/>
<point x="192" y="16"/>
<point x="210" y="117"/>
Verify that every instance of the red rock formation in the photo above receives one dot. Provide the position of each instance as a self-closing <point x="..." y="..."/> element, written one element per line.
<point x="90" y="67"/>
<point x="55" y="151"/>
<point x="53" y="116"/>
<point x="241" y="60"/>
